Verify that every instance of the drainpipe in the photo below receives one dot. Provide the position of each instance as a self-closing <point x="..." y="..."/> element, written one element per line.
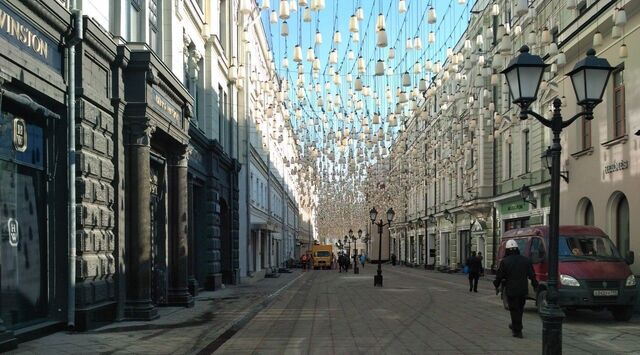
<point x="74" y="38"/>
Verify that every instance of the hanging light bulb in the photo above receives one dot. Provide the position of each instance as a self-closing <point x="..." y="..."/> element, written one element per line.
<point x="311" y="55"/>
<point x="333" y="56"/>
<point x="561" y="59"/>
<point x="245" y="7"/>
<point x="284" y="29"/>
<point x="428" y="65"/>
<point x="402" y="6"/>
<point x="266" y="4"/>
<point x="273" y="17"/>
<point x="355" y="37"/>
<point x="392" y="53"/>
<point x="431" y="15"/>
<point x="350" y="55"/>
<point x="546" y="36"/>
<point x="416" y="68"/>
<point x="357" y="84"/>
<point x="353" y="24"/>
<point x="303" y="3"/>
<point x="495" y="9"/>
<point x="284" y="9"/>
<point x="553" y="48"/>
<point x="479" y="40"/>
<point x="380" y="23"/>
<point x="361" y="66"/>
<point x="316" y="64"/>
<point x="521" y="7"/>
<point x="285" y="63"/>
<point x="360" y="14"/>
<point x="381" y="40"/>
<point x="620" y="18"/>
<point x="462" y="2"/>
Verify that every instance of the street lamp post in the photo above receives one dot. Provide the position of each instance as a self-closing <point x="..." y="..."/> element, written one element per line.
<point x="589" y="78"/>
<point x="429" y="220"/>
<point x="356" y="270"/>
<point x="373" y="214"/>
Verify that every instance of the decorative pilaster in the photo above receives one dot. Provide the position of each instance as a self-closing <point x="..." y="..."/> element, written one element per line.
<point x="178" y="294"/>
<point x="138" y="304"/>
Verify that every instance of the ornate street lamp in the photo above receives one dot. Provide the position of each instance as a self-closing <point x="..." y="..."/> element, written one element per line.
<point x="373" y="214"/>
<point x="447" y="215"/>
<point x="589" y="78"/>
<point x="548" y="162"/>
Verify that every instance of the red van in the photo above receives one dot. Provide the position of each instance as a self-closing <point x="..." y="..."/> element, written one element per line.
<point x="592" y="274"/>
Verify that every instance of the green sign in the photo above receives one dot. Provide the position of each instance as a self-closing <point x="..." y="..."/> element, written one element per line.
<point x="514" y="207"/>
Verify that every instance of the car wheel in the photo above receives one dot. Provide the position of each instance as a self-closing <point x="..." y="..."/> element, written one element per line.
<point x="541" y="300"/>
<point x="505" y="302"/>
<point x="623" y="313"/>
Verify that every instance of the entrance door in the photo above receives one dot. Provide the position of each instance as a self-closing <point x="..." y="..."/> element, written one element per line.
<point x="226" y="243"/>
<point x="23" y="232"/>
<point x="464" y="246"/>
<point x="158" y="234"/>
<point x="444" y="249"/>
<point x="431" y="246"/>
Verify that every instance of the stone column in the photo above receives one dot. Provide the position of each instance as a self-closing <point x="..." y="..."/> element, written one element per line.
<point x="178" y="294"/>
<point x="138" y="273"/>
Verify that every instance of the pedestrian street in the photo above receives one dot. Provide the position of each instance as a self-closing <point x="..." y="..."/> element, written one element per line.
<point x="415" y="312"/>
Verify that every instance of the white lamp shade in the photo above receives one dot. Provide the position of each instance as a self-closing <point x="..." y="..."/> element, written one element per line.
<point x="380" y="67"/>
<point x="589" y="78"/>
<point x="431" y="16"/>
<point x="381" y="38"/>
<point x="283" y="9"/>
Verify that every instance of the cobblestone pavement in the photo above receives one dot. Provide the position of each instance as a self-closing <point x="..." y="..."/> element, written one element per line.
<point x="178" y="330"/>
<point x="417" y="311"/>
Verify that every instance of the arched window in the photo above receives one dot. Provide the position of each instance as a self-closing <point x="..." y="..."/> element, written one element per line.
<point x="589" y="219"/>
<point x="622" y="225"/>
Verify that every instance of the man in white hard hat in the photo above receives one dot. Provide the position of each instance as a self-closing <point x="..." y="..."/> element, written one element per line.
<point x="514" y="270"/>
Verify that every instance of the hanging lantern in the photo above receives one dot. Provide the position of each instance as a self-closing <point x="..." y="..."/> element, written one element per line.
<point x="479" y="40"/>
<point x="357" y="85"/>
<point x="284" y="9"/>
<point x="623" y="52"/>
<point x="380" y="67"/>
<point x="333" y="57"/>
<point x="380" y="23"/>
<point x="273" y="17"/>
<point x="402" y="6"/>
<point x="353" y="24"/>
<point x="361" y="65"/>
<point x="284" y="29"/>
<point x="620" y="18"/>
<point x="360" y="14"/>
<point x="521" y="7"/>
<point x="422" y="85"/>
<point x="597" y="39"/>
<point x="417" y="43"/>
<point x="316" y="64"/>
<point x="297" y="54"/>
<point x="285" y="63"/>
<point x="293" y="6"/>
<point x="416" y="68"/>
<point x="310" y="55"/>
<point x="431" y="37"/>
<point x="561" y="59"/>
<point x="306" y="17"/>
<point x="553" y="48"/>
<point x="381" y="40"/>
<point x="406" y="79"/>
<point x="355" y="37"/>
<point x="431" y="15"/>
<point x="337" y="37"/>
<point x="266" y="4"/>
<point x="336" y="79"/>
<point x="245" y="7"/>
<point x="462" y="2"/>
<point x="616" y="32"/>
<point x="495" y="79"/>
<point x="495" y="9"/>
<point x="409" y="44"/>
<point x="392" y="53"/>
<point x="546" y="36"/>
<point x="350" y="55"/>
<point x="428" y="65"/>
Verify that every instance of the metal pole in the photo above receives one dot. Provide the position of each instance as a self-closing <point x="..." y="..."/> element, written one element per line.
<point x="551" y="313"/>
<point x="355" y="258"/>
<point x="377" y="279"/>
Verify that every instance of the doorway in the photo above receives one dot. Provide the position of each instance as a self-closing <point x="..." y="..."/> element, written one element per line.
<point x="444" y="249"/>
<point x="158" y="211"/>
<point x="226" y="243"/>
<point x="464" y="246"/>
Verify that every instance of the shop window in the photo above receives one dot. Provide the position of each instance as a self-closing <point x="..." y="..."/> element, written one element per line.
<point x="619" y="117"/>
<point x="223" y="24"/>
<point x="589" y="218"/>
<point x="586" y="133"/>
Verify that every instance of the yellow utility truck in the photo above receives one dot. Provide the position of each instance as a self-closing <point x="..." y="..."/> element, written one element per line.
<point x="322" y="256"/>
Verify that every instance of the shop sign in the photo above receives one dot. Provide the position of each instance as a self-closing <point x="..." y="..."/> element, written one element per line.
<point x="12" y="227"/>
<point x="167" y="107"/>
<point x="616" y="166"/>
<point x="514" y="207"/>
<point x="20" y="32"/>
<point x="19" y="135"/>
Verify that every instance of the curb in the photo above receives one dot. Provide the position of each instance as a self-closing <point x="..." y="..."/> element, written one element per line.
<point x="234" y="326"/>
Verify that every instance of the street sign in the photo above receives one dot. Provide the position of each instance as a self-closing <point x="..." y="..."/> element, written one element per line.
<point x="12" y="227"/>
<point x="19" y="135"/>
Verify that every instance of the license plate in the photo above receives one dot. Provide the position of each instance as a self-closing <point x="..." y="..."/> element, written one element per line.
<point x="605" y="292"/>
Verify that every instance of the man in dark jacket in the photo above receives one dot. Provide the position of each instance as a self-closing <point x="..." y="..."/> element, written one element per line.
<point x="514" y="270"/>
<point x="474" y="266"/>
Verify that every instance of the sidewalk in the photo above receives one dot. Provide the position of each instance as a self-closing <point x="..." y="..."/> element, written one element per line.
<point x="214" y="317"/>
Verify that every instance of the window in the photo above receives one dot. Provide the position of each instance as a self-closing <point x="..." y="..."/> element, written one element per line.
<point x="154" y="25"/>
<point x="223" y="23"/>
<point x="516" y="223"/>
<point x="509" y="159"/>
<point x="135" y="8"/>
<point x="221" y="119"/>
<point x="589" y="219"/>
<point x="537" y="249"/>
<point x="619" y="128"/>
<point x="622" y="225"/>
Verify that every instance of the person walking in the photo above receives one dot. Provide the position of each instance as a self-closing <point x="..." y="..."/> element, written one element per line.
<point x="303" y="261"/>
<point x="514" y="270"/>
<point x="473" y="265"/>
<point x="340" y="262"/>
<point x="362" y="259"/>
<point x="393" y="259"/>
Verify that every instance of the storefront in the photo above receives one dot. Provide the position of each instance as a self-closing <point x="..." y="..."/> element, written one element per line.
<point x="33" y="239"/>
<point x="156" y="125"/>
